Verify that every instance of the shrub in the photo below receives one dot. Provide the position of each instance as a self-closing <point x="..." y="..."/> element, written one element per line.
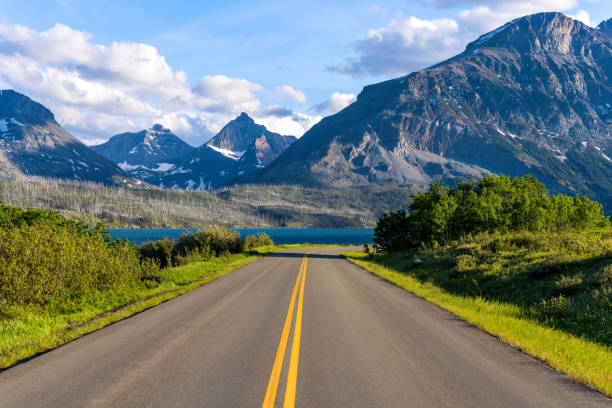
<point x="494" y="204"/>
<point x="257" y="240"/>
<point x="58" y="264"/>
<point x="214" y="239"/>
<point x="161" y="252"/>
<point x="192" y="247"/>
<point x="392" y="231"/>
<point x="17" y="217"/>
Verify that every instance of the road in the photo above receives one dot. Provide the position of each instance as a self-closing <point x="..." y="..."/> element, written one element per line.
<point x="360" y="342"/>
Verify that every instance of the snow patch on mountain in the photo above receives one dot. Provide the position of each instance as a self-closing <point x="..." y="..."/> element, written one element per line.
<point x="491" y="34"/>
<point x="163" y="167"/>
<point x="125" y="166"/>
<point x="227" y="153"/>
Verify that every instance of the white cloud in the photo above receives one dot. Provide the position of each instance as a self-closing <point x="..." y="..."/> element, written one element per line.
<point x="407" y="44"/>
<point x="335" y="103"/>
<point x="585" y="17"/>
<point x="404" y="45"/>
<point x="294" y="124"/>
<point x="218" y="92"/>
<point x="98" y="90"/>
<point x="525" y="5"/>
<point x="282" y="92"/>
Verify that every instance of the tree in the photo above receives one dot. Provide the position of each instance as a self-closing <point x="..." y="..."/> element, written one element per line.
<point x="392" y="231"/>
<point x="493" y="204"/>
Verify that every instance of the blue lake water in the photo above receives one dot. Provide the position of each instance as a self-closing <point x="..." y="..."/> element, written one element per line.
<point x="349" y="236"/>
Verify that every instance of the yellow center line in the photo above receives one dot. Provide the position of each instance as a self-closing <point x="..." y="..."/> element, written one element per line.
<point x="280" y="353"/>
<point x="295" y="347"/>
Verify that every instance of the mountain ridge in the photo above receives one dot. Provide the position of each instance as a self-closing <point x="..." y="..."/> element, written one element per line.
<point x="159" y="157"/>
<point x="145" y="153"/>
<point x="33" y="143"/>
<point x="510" y="103"/>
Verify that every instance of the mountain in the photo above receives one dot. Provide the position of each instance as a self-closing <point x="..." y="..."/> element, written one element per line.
<point x="33" y="143"/>
<point x="605" y="27"/>
<point x="243" y="136"/>
<point x="203" y="169"/>
<point x="531" y="97"/>
<point x="159" y="157"/>
<point x="144" y="154"/>
<point x="240" y="148"/>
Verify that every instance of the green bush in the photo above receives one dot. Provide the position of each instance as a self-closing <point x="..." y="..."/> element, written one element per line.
<point x="392" y="231"/>
<point x="257" y="240"/>
<point x="161" y="252"/>
<point x="192" y="247"/>
<point x="17" y="217"/>
<point x="494" y="204"/>
<point x="59" y="264"/>
<point x="215" y="240"/>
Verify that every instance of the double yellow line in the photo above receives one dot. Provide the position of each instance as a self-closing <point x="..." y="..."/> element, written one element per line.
<point x="282" y="346"/>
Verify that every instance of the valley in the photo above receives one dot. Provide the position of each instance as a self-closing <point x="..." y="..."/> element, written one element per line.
<point x="479" y="173"/>
<point x="531" y="97"/>
<point x="240" y="206"/>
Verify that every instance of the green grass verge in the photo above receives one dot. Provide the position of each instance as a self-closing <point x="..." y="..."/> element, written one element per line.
<point x="27" y="331"/>
<point x="579" y="357"/>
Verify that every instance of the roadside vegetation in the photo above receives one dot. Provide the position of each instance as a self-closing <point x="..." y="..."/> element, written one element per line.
<point x="531" y="268"/>
<point x="60" y="280"/>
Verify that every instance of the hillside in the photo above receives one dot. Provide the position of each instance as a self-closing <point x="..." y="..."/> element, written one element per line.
<point x="531" y="97"/>
<point x="248" y="206"/>
<point x="33" y="143"/>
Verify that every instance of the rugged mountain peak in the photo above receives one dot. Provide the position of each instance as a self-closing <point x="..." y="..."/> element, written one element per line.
<point x="157" y="128"/>
<point x="23" y="109"/>
<point x="159" y="157"/>
<point x="605" y="27"/>
<point x="237" y="135"/>
<point x="144" y="154"/>
<point x="549" y="32"/>
<point x="531" y="97"/>
<point x="33" y="143"/>
<point x="244" y="117"/>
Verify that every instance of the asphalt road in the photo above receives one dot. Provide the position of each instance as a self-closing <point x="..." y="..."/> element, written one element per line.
<point x="361" y="342"/>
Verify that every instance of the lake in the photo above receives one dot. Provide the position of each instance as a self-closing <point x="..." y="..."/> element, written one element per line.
<point x="348" y="236"/>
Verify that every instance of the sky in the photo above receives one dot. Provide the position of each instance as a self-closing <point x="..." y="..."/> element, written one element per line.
<point x="106" y="67"/>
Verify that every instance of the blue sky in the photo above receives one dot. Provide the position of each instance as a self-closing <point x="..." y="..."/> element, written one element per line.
<point x="111" y="66"/>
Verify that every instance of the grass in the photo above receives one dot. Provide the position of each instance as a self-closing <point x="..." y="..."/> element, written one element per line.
<point x="547" y="295"/>
<point x="28" y="331"/>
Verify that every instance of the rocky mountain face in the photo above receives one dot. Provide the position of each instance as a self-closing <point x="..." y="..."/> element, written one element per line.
<point x="253" y="144"/>
<point x="531" y="97"/>
<point x="159" y="157"/>
<point x="240" y="148"/>
<point x="146" y="153"/>
<point x="605" y="27"/>
<point x="33" y="143"/>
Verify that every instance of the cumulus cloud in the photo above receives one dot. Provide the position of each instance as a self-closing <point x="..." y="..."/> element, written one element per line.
<point x="294" y="124"/>
<point x="335" y="103"/>
<point x="407" y="44"/>
<point x="585" y="17"/>
<point x="525" y="4"/>
<point x="282" y="92"/>
<point x="98" y="90"/>
<point x="403" y="46"/>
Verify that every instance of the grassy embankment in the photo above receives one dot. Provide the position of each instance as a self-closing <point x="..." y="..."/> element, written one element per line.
<point x="26" y="330"/>
<point x="549" y="295"/>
